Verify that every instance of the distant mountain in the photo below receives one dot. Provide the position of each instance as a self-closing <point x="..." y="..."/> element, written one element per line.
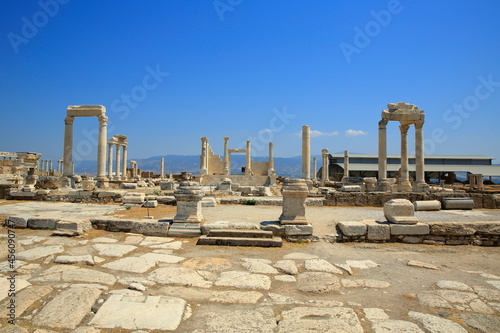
<point x="284" y="166"/>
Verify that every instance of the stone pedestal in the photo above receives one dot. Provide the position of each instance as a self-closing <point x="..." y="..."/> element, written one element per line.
<point x="400" y="211"/>
<point x="294" y="193"/>
<point x="188" y="197"/>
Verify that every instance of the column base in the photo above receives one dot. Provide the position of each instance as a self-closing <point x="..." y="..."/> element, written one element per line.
<point x="405" y="187"/>
<point x="383" y="185"/>
<point x="102" y="182"/>
<point x="421" y="187"/>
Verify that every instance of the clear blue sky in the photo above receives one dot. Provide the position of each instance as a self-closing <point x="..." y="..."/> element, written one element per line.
<point x="249" y="69"/>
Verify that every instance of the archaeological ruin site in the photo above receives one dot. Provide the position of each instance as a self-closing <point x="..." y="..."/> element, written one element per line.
<point x="359" y="243"/>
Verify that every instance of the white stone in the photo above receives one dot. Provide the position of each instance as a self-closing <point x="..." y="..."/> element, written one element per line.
<point x="165" y="258"/>
<point x="321" y="265"/>
<point x="416" y="263"/>
<point x="179" y="276"/>
<point x="375" y="314"/>
<point x="434" y="324"/>
<point x="446" y="284"/>
<point x="257" y="320"/>
<point x="353" y="228"/>
<point x="84" y="260"/>
<point x="24" y="298"/>
<point x="88" y="275"/>
<point x="148" y="241"/>
<point x="131" y="264"/>
<point x="396" y="326"/>
<point x="258" y="266"/>
<point x="104" y="240"/>
<point x="400" y="211"/>
<point x="67" y="309"/>
<point x="317" y="282"/>
<point x="317" y="319"/>
<point x="133" y="240"/>
<point x="243" y="280"/>
<point x="233" y="297"/>
<point x="494" y="283"/>
<point x="140" y="312"/>
<point x="361" y="264"/>
<point x="299" y="256"/>
<point x="285" y="278"/>
<point x="287" y="267"/>
<point x="479" y="306"/>
<point x="113" y="250"/>
<point x="136" y="286"/>
<point x="370" y="283"/>
<point x="172" y="246"/>
<point x="39" y="252"/>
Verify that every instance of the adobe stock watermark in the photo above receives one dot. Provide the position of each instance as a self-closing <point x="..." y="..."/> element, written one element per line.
<point x="363" y="36"/>
<point x="122" y="106"/>
<point x="278" y="122"/>
<point x="223" y="6"/>
<point x="461" y="111"/>
<point x="31" y="26"/>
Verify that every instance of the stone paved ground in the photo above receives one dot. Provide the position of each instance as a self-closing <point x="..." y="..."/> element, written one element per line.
<point x="118" y="282"/>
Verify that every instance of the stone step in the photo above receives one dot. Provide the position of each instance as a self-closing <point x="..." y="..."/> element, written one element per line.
<point x="236" y="241"/>
<point x="240" y="233"/>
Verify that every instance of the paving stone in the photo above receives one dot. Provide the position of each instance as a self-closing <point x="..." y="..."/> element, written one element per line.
<point x="75" y="274"/>
<point x="130" y="279"/>
<point x="483" y="323"/>
<point x="126" y="292"/>
<point x="24" y="299"/>
<point x="41" y="330"/>
<point x="230" y="297"/>
<point x="179" y="276"/>
<point x="456" y="297"/>
<point x="133" y="240"/>
<point x="131" y="264"/>
<point x="361" y="264"/>
<point x="434" y="324"/>
<point x="396" y="326"/>
<point x="148" y="241"/>
<point x="5" y="285"/>
<point x="317" y="282"/>
<point x="375" y="314"/>
<point x="479" y="306"/>
<point x="86" y="329"/>
<point x="136" y="286"/>
<point x="312" y="319"/>
<point x="494" y="283"/>
<point x="171" y="245"/>
<point x="432" y="300"/>
<point x="67" y="309"/>
<point x="140" y="312"/>
<point x="495" y="305"/>
<point x="243" y="280"/>
<point x="114" y="250"/>
<point x="13" y="329"/>
<point x="371" y="283"/>
<point x="357" y="283"/>
<point x="64" y="241"/>
<point x="299" y="256"/>
<point x="321" y="265"/>
<point x="259" y="320"/>
<point x="208" y="264"/>
<point x="446" y="284"/>
<point x="106" y="240"/>
<point x="6" y="266"/>
<point x="84" y="260"/>
<point x="287" y="267"/>
<point x="345" y="267"/>
<point x="416" y="263"/>
<point x="29" y="240"/>
<point x="285" y="278"/>
<point x="259" y="266"/>
<point x="39" y="252"/>
<point x="487" y="293"/>
<point x="282" y="299"/>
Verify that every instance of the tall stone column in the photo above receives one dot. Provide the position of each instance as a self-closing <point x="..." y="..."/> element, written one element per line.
<point x="68" y="146"/>
<point x="226" y="170"/>
<point x="315" y="169"/>
<point x="162" y="167"/>
<point x="306" y="152"/>
<point x="72" y="168"/>
<point x="270" y="170"/>
<point x="110" y="160"/>
<point x="118" y="163"/>
<point x="101" y="148"/>
<point x="382" y="184"/>
<point x="404" y="181"/>
<point x="124" y="161"/>
<point x="324" y="168"/>
<point x="204" y="156"/>
<point x="346" y="163"/>
<point x="50" y="165"/>
<point x="248" y="168"/>
<point x="420" y="184"/>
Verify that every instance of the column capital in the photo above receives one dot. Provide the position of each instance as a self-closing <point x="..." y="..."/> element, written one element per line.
<point x="226" y="139"/>
<point x="382" y="123"/>
<point x="103" y="120"/>
<point x="204" y="139"/>
<point x="69" y="120"/>
<point x="324" y="151"/>
<point x="419" y="124"/>
<point x="404" y="128"/>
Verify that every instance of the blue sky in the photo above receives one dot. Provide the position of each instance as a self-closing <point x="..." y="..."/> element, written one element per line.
<point x="170" y="72"/>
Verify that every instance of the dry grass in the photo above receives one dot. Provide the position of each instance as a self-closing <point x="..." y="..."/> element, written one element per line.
<point x="140" y="212"/>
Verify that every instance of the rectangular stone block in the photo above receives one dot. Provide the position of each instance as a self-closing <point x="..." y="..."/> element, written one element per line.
<point x="167" y="186"/>
<point x="17" y="222"/>
<point x="410" y="229"/>
<point x="80" y="193"/>
<point x="159" y="229"/>
<point x="42" y="223"/>
<point x="299" y="230"/>
<point x="129" y="186"/>
<point x="78" y="226"/>
<point x="180" y="229"/>
<point x="353" y="228"/>
<point x="427" y="205"/>
<point x="378" y="231"/>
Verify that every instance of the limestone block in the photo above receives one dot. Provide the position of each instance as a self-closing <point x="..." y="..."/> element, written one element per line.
<point x="42" y="223"/>
<point x="208" y="202"/>
<point x="88" y="185"/>
<point x="79" y="226"/>
<point x="188" y="197"/>
<point x="167" y="186"/>
<point x="167" y="200"/>
<point x="111" y="193"/>
<point x="410" y="229"/>
<point x="427" y="205"/>
<point x="150" y="204"/>
<point x="353" y="228"/>
<point x="224" y="185"/>
<point x="458" y="203"/>
<point x="79" y="193"/>
<point x="378" y="231"/>
<point x="134" y="198"/>
<point x="294" y="193"/>
<point x="17" y="221"/>
<point x="129" y="186"/>
<point x="400" y="211"/>
<point x="352" y="188"/>
<point x="298" y="230"/>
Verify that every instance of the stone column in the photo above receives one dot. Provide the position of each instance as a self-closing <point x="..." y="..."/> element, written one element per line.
<point x="68" y="146"/>
<point x="420" y="184"/>
<point x="226" y="170"/>
<point x="50" y="165"/>
<point x="204" y="156"/>
<point x="270" y="170"/>
<point x="294" y="193"/>
<point x="306" y="152"/>
<point x="124" y="161"/>
<point x="346" y="163"/>
<point x="404" y="181"/>
<point x="162" y="167"/>
<point x="118" y="162"/>
<point x="101" y="148"/>
<point x="382" y="184"/>
<point x="188" y="196"/>
<point x="324" y="168"/>
<point x="315" y="169"/>
<point x="248" y="167"/>
<point x="110" y="160"/>
<point x="72" y="168"/>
